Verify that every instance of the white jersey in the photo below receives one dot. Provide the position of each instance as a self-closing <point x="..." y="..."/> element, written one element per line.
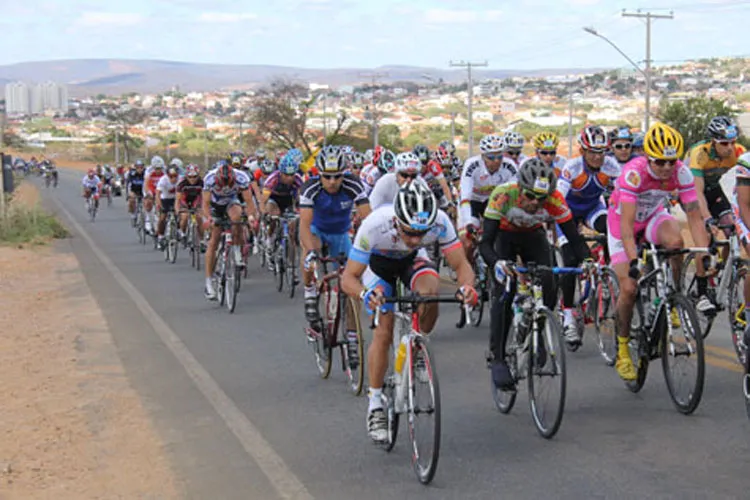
<point x="477" y="184"/>
<point x="384" y="191"/>
<point x="167" y="189"/>
<point x="558" y="163"/>
<point x="379" y="235"/>
<point x="91" y="182"/>
<point x="226" y="194"/>
<point x="369" y="177"/>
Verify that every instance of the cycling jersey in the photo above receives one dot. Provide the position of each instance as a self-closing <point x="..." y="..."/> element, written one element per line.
<point x="558" y="163"/>
<point x="190" y="192"/>
<point x="227" y="194"/>
<point x="91" y="183"/>
<point x="276" y="188"/>
<point x="152" y="179"/>
<point x="477" y="183"/>
<point x="582" y="187"/>
<point x="432" y="173"/>
<point x="167" y="189"/>
<point x="136" y="181"/>
<point x="504" y="207"/>
<point x="385" y="191"/>
<point x="378" y="235"/>
<point x="369" y="176"/>
<point x="704" y="162"/>
<point x="332" y="212"/>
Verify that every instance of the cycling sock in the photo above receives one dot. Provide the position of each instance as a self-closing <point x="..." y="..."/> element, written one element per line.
<point x="376" y="400"/>
<point x="208" y="282"/>
<point x="568" y="315"/>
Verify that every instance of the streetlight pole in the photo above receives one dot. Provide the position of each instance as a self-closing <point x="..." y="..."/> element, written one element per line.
<point x="468" y="65"/>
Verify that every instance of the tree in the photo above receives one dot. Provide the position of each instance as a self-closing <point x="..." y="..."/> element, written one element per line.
<point x="280" y="114"/>
<point x="691" y="116"/>
<point x="123" y="119"/>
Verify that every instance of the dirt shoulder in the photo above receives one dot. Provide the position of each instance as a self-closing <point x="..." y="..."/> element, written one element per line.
<point x="70" y="424"/>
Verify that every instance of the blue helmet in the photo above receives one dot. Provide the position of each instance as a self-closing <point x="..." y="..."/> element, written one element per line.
<point x="296" y="154"/>
<point x="620" y="133"/>
<point x="638" y="139"/>
<point x="289" y="164"/>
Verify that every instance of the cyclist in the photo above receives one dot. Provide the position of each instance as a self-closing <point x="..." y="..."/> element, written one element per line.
<point x="637" y="211"/>
<point x="357" y="163"/>
<point x="279" y="194"/>
<point x="106" y="176"/>
<point x="514" y="227"/>
<point x="189" y="193"/>
<point x="621" y="144"/>
<point x="383" y="162"/>
<point x="134" y="186"/>
<point x="153" y="173"/>
<point x="741" y="205"/>
<point x="513" y="150"/>
<point x="709" y="160"/>
<point x="407" y="169"/>
<point x="390" y="246"/>
<point x="545" y="144"/>
<point x="179" y="165"/>
<point x="582" y="183"/>
<point x="638" y="144"/>
<point x="166" y="190"/>
<point x="326" y="204"/>
<point x="91" y="185"/>
<point x="480" y="176"/>
<point x="221" y="189"/>
<point x="432" y="173"/>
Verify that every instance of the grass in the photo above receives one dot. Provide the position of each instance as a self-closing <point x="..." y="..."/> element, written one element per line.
<point x="29" y="225"/>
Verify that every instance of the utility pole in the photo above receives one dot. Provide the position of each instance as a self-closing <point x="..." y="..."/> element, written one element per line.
<point x="648" y="16"/>
<point x="453" y="128"/>
<point x="373" y="112"/>
<point x="570" y="125"/>
<point x="468" y="65"/>
<point x="117" y="145"/>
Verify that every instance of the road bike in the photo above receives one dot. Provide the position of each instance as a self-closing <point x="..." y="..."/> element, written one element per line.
<point x="482" y="283"/>
<point x="193" y="240"/>
<point x="285" y="252"/>
<point x="92" y="205"/>
<point x="171" y="242"/>
<point x="227" y="271"/>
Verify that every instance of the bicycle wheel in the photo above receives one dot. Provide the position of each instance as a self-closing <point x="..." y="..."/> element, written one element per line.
<point x="736" y="310"/>
<point x="173" y="242"/>
<point x="321" y="346"/>
<point x="220" y="273"/>
<point x="746" y="384"/>
<point x="639" y="348"/>
<point x="689" y="285"/>
<point x="389" y="406"/>
<point x="354" y="368"/>
<point x="231" y="273"/>
<point x="505" y="400"/>
<point x="546" y="374"/>
<point x="424" y="411"/>
<point x="684" y="348"/>
<point x="280" y="264"/>
<point x="476" y="312"/>
<point x="290" y="274"/>
<point x="602" y="305"/>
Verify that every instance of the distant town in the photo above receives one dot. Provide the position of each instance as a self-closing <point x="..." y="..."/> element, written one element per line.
<point x="43" y="116"/>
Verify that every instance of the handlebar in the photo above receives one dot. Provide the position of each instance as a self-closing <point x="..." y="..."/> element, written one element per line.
<point x="419" y="299"/>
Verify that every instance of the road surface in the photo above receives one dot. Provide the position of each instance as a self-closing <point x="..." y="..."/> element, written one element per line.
<point x="238" y="402"/>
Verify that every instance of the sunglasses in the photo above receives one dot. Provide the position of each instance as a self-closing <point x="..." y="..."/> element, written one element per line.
<point x="534" y="196"/>
<point x="596" y="151"/>
<point x="493" y="157"/>
<point x="547" y="153"/>
<point x="726" y="143"/>
<point x="661" y="163"/>
<point x="513" y="153"/>
<point x="623" y="146"/>
<point x="412" y="233"/>
<point x="332" y="177"/>
<point x="408" y="176"/>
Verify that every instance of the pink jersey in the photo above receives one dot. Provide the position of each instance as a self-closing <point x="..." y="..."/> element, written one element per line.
<point x="638" y="185"/>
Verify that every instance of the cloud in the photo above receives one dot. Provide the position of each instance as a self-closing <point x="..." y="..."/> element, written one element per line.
<point x="450" y="16"/>
<point x="98" y="19"/>
<point x="226" y="17"/>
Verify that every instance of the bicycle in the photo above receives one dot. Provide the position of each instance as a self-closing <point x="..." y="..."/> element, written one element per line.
<point x="333" y="331"/>
<point x="400" y="392"/>
<point x="654" y="327"/>
<point x="482" y="279"/>
<point x="725" y="287"/>
<point x="226" y="272"/>
<point x="92" y="205"/>
<point x="192" y="239"/>
<point x="285" y="254"/>
<point x="534" y="357"/>
<point x="171" y="243"/>
<point x="597" y="290"/>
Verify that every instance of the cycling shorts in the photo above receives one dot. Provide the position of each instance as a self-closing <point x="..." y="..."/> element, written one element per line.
<point x="219" y="212"/>
<point x="588" y="218"/>
<point x="283" y="202"/>
<point x="648" y="229"/>
<point x="385" y="272"/>
<point x="167" y="205"/>
<point x="338" y="244"/>
<point x="717" y="202"/>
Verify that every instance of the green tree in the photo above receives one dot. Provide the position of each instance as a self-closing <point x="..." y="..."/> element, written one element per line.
<point x="691" y="116"/>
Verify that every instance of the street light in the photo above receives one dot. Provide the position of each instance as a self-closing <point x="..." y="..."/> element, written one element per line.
<point x="646" y="74"/>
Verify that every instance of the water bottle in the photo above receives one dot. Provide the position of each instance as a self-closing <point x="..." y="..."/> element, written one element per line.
<point x="652" y="308"/>
<point x="400" y="357"/>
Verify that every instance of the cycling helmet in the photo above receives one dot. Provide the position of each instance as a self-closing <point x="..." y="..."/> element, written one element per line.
<point x="296" y="155"/>
<point x="248" y="163"/>
<point x="448" y="146"/>
<point x="176" y="162"/>
<point x="491" y="143"/>
<point x="172" y="171"/>
<point x="638" y="139"/>
<point x="513" y="140"/>
<point x="157" y="162"/>
<point x="408" y="162"/>
<point x="443" y="157"/>
<point x="546" y="141"/>
<point x="192" y="170"/>
<point x="280" y="153"/>
<point x="722" y="128"/>
<point x="421" y="152"/>
<point x="138" y="163"/>
<point x="415" y="205"/>
<point x="224" y="175"/>
<point x="260" y="153"/>
<point x="358" y="159"/>
<point x="662" y="142"/>
<point x="235" y="161"/>
<point x="330" y="159"/>
<point x="267" y="166"/>
<point x="593" y="137"/>
<point x="289" y="164"/>
<point x="620" y="133"/>
<point x="387" y="161"/>
<point x="534" y="175"/>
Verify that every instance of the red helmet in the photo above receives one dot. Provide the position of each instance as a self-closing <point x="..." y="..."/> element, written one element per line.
<point x="593" y="137"/>
<point x="225" y="176"/>
<point x="376" y="154"/>
<point x="443" y="156"/>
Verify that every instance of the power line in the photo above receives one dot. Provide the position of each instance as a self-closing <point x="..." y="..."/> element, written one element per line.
<point x="468" y="65"/>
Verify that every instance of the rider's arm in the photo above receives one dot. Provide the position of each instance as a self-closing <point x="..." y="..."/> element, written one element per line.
<point x="696" y="223"/>
<point x="690" y="196"/>
<point x="627" y="229"/>
<point x="456" y="258"/>
<point x="490" y="232"/>
<point x="467" y="188"/>
<point x="206" y="201"/>
<point x="446" y="189"/>
<point x="700" y="187"/>
<point x="305" y="233"/>
<point x="363" y="210"/>
<point x="177" y="198"/>
<point x="352" y="278"/>
<point x="575" y="240"/>
<point x="743" y="199"/>
<point x="250" y="206"/>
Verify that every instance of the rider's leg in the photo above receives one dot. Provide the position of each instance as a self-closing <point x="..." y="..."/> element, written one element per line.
<point x="235" y="215"/>
<point x="625" y="303"/>
<point x="424" y="279"/>
<point x="667" y="232"/>
<point x="312" y="313"/>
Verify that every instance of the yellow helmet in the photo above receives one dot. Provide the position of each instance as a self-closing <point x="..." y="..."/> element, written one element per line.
<point x="546" y="141"/>
<point x="662" y="142"/>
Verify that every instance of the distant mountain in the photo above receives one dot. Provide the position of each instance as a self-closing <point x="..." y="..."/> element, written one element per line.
<point x="112" y="76"/>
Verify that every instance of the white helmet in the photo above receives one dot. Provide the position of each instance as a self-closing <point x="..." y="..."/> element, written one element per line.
<point x="176" y="162"/>
<point x="513" y="140"/>
<point x="157" y="162"/>
<point x="408" y="162"/>
<point x="491" y="143"/>
<point x="415" y="205"/>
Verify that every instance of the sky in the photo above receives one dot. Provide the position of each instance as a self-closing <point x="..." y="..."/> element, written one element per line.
<point x="515" y="34"/>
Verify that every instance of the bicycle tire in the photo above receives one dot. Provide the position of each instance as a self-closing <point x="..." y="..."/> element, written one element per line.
<point x="689" y="285"/>
<point x="220" y="272"/>
<point x="604" y="298"/>
<point x="639" y="349"/>
<point x="231" y="271"/>
<point x="355" y="375"/>
<point x="280" y="265"/>
<point x="291" y="267"/>
<point x="322" y="346"/>
<point x="746" y="384"/>
<point x="735" y="309"/>
<point x="555" y="351"/>
<point x="173" y="241"/>
<point x="687" y="312"/>
<point x="476" y="313"/>
<point x="505" y="400"/>
<point x="425" y="473"/>
<point x="389" y="407"/>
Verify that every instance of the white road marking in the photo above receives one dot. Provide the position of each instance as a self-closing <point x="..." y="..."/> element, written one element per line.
<point x="286" y="483"/>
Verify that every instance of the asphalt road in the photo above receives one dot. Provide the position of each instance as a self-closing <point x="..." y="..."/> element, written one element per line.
<point x="272" y="428"/>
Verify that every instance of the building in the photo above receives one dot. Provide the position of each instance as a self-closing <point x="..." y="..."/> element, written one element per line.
<point x="22" y="98"/>
<point x="17" y="99"/>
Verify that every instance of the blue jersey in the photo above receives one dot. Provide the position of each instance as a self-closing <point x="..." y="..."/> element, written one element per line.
<point x="583" y="187"/>
<point x="332" y="213"/>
